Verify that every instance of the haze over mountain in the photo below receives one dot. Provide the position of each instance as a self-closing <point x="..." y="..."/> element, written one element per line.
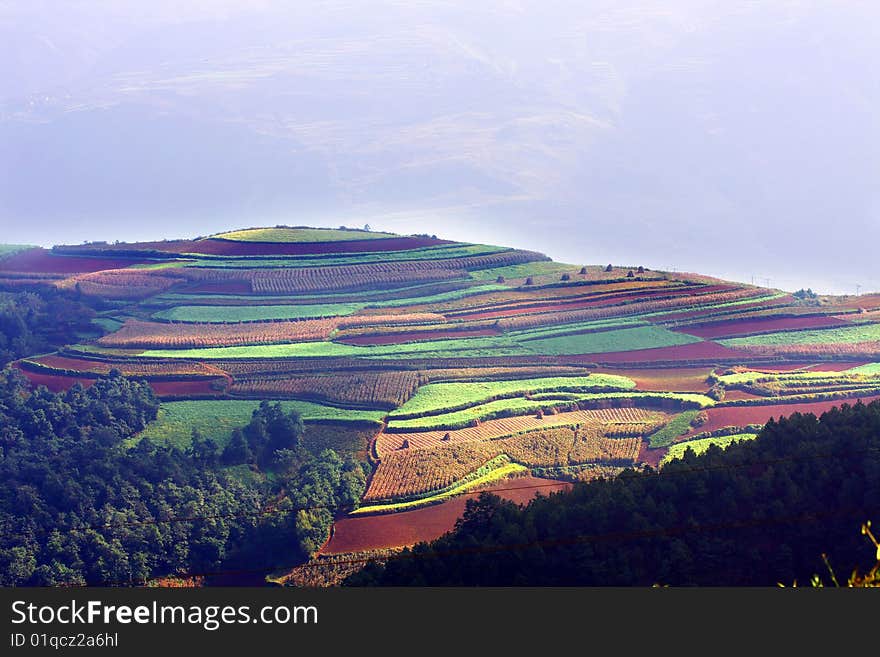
<point x="734" y="139"/>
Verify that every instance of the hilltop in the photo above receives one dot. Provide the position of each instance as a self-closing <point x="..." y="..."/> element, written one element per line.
<point x="445" y="367"/>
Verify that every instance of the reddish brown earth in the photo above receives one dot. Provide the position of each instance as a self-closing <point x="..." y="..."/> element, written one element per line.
<point x="651" y="456"/>
<point x="42" y="260"/>
<point x="415" y="336"/>
<point x="680" y="379"/>
<point x="741" y="415"/>
<point x="835" y="367"/>
<point x="684" y="352"/>
<point x="61" y="383"/>
<point x="357" y="534"/>
<point x="754" y="326"/>
<point x="55" y="382"/>
<point x="223" y="247"/>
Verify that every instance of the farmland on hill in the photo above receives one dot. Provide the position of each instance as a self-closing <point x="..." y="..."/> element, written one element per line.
<point x="456" y="366"/>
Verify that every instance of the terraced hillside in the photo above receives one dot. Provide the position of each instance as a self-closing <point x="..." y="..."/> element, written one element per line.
<point x="467" y="363"/>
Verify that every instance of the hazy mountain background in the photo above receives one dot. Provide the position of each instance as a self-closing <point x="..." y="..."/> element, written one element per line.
<point x="734" y="138"/>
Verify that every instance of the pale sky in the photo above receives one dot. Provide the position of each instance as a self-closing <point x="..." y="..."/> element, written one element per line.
<point x="739" y="139"/>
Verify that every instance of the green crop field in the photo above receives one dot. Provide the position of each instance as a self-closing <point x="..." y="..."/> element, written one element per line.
<point x="700" y="445"/>
<point x="226" y="314"/>
<point x="845" y="334"/>
<point x="625" y="339"/>
<point x="217" y="418"/>
<point x="538" y="268"/>
<point x="871" y="369"/>
<point x="285" y="234"/>
<point x="444" y="397"/>
<point x="678" y="426"/>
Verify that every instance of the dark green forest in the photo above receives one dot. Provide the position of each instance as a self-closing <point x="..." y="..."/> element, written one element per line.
<point x="40" y="320"/>
<point x="79" y="504"/>
<point x="759" y="513"/>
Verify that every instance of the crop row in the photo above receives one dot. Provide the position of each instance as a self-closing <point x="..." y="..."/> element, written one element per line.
<point x="584" y="472"/>
<point x="623" y="309"/>
<point x="524" y="297"/>
<point x="377" y="389"/>
<point x="56" y="364"/>
<point x="356" y="277"/>
<point x="121" y="283"/>
<point x="609" y="420"/>
<point x="407" y="473"/>
<point x="475" y="415"/>
<point x="160" y="335"/>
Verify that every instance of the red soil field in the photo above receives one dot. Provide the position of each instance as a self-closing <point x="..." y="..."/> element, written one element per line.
<point x="752" y="326"/>
<point x="223" y="247"/>
<point x="357" y="534"/>
<point x="60" y="383"/>
<point x="134" y="369"/>
<point x="42" y="260"/>
<point x="651" y="456"/>
<point x="684" y="352"/>
<point x="56" y="383"/>
<point x="680" y="379"/>
<point x="415" y="336"/>
<point x="866" y="301"/>
<point x="741" y="415"/>
<point x="835" y="367"/>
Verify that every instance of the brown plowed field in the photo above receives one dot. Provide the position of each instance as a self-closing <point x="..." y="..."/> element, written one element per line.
<point x="755" y="326"/>
<point x="685" y="352"/>
<point x="42" y="260"/>
<point x="192" y="387"/>
<point x="357" y="534"/>
<point x="134" y="369"/>
<point x="56" y="383"/>
<point x="733" y="416"/>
